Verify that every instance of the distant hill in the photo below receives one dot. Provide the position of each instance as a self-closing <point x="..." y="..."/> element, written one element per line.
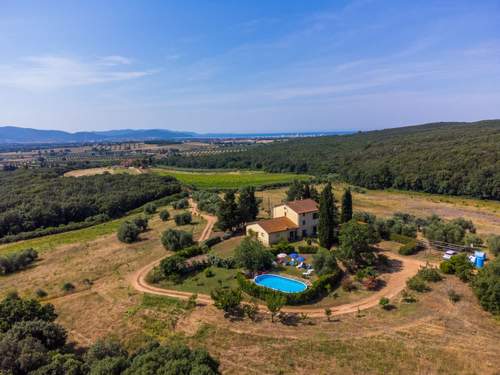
<point x="13" y="134"/>
<point x="445" y="158"/>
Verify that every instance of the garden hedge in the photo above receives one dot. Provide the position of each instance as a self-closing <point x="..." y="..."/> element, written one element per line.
<point x="318" y="289"/>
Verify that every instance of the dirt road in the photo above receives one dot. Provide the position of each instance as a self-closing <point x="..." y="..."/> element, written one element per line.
<point x="395" y="283"/>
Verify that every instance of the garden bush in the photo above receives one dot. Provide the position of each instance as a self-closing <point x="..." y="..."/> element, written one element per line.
<point x="214" y="260"/>
<point x="308" y="249"/>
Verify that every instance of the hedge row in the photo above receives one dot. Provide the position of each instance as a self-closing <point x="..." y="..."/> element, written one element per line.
<point x="212" y="241"/>
<point x="410" y="248"/>
<point x="317" y="290"/>
<point x="400" y="238"/>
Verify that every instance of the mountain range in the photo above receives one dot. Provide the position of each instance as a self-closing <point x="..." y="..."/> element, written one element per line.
<point x="13" y="134"/>
<point x="18" y="135"/>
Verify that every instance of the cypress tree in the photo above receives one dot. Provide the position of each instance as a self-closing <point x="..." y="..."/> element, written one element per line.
<point x="228" y="214"/>
<point x="346" y="206"/>
<point x="328" y="219"/>
<point x="248" y="206"/>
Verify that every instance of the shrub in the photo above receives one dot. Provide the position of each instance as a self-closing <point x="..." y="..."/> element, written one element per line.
<point x="128" y="232"/>
<point x="408" y="297"/>
<point x="173" y="266"/>
<point x="183" y="218"/>
<point x="209" y="273"/>
<point x="149" y="209"/>
<point x="429" y="273"/>
<point x="180" y="204"/>
<point x="493" y="243"/>
<point x="226" y="299"/>
<point x="251" y="310"/>
<point x="213" y="241"/>
<point x="453" y="296"/>
<point x="17" y="261"/>
<point x="215" y="261"/>
<point x="282" y="247"/>
<point x="176" y="240"/>
<point x="447" y="267"/>
<point x="384" y="303"/>
<point x="473" y="239"/>
<point x="68" y="287"/>
<point x="253" y="256"/>
<point x="458" y="265"/>
<point x="275" y="303"/>
<point x="40" y="293"/>
<point x="141" y="222"/>
<point x="400" y="238"/>
<point x="348" y="285"/>
<point x="308" y="249"/>
<point x="417" y="284"/>
<point x="409" y="248"/>
<point x="192" y="251"/>
<point x="164" y="215"/>
<point x="486" y="286"/>
<point x="324" y="262"/>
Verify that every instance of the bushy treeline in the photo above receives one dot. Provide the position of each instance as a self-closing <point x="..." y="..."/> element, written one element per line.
<point x="34" y="199"/>
<point x="442" y="158"/>
<point x="31" y="343"/>
<point x="17" y="261"/>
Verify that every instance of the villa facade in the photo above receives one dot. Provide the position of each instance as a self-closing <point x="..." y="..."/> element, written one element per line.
<point x="291" y="221"/>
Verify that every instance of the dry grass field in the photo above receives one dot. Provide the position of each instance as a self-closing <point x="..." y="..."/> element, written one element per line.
<point x="431" y="336"/>
<point x="484" y="214"/>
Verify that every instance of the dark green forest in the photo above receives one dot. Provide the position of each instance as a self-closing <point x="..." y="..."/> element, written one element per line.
<point x="443" y="158"/>
<point x="41" y="198"/>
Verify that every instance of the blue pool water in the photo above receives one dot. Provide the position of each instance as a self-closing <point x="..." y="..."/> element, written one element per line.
<point x="283" y="284"/>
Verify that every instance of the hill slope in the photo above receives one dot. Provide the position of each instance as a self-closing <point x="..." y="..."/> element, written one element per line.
<point x="444" y="158"/>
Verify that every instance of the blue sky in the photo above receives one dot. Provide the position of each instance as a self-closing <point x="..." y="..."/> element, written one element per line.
<point x="247" y="66"/>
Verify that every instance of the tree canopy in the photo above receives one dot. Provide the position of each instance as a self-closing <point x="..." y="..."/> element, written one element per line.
<point x="442" y="158"/>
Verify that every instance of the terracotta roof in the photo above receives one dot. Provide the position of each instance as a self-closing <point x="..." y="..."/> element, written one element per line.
<point x="278" y="224"/>
<point x="303" y="206"/>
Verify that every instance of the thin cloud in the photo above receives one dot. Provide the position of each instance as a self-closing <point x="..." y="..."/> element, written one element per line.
<point x="54" y="72"/>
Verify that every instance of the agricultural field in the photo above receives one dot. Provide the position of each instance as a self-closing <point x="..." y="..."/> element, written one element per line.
<point x="229" y="180"/>
<point x="94" y="171"/>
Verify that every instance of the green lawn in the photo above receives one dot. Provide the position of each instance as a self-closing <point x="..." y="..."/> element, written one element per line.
<point x="200" y="283"/>
<point x="229" y="180"/>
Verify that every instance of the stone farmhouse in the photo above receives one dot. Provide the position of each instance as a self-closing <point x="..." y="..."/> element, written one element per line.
<point x="291" y="221"/>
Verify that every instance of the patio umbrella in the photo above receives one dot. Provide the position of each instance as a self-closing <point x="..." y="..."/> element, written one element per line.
<point x="294" y="255"/>
<point x="300" y="259"/>
<point x="281" y="255"/>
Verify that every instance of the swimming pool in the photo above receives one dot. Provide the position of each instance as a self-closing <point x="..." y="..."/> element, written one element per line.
<point x="283" y="284"/>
